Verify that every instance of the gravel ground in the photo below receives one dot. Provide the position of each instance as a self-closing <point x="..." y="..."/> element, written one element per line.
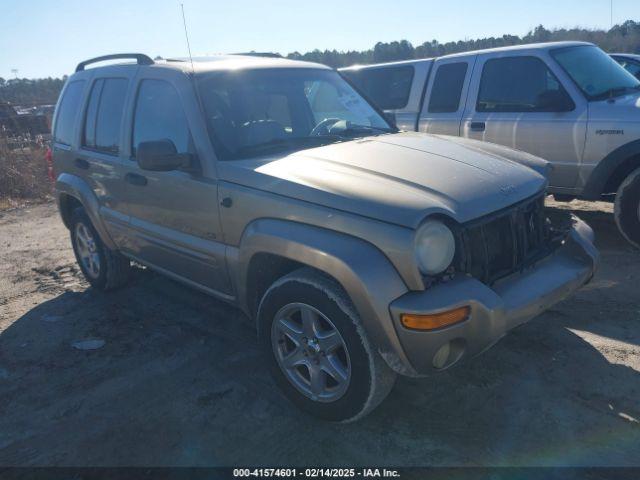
<point x="179" y="379"/>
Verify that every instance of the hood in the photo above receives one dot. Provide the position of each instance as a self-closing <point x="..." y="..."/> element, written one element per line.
<point x="538" y="164"/>
<point x="397" y="178"/>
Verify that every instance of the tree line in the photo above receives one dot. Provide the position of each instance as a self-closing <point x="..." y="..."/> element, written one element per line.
<point x="624" y="37"/>
<point x="24" y="91"/>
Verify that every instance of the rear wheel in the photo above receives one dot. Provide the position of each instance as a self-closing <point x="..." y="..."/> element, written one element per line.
<point x="103" y="268"/>
<point x="318" y="352"/>
<point x="627" y="208"/>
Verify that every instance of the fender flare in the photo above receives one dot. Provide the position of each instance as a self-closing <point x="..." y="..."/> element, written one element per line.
<point x="365" y="273"/>
<point x="605" y="168"/>
<point x="76" y="187"/>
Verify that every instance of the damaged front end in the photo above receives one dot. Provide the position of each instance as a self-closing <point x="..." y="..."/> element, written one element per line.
<point x="509" y="268"/>
<point x="509" y="241"/>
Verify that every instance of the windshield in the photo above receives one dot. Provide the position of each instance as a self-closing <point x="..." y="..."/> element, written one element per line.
<point x="251" y="113"/>
<point x="596" y="73"/>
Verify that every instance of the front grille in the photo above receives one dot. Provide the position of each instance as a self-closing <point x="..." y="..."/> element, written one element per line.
<point x="501" y="244"/>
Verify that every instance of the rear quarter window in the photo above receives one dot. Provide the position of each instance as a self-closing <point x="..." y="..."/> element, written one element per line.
<point x="67" y="112"/>
<point x="388" y="88"/>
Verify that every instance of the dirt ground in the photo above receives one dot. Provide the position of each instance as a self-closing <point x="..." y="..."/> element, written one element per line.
<point x="179" y="380"/>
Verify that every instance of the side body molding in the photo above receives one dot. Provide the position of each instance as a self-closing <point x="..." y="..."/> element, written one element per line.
<point x="77" y="188"/>
<point x="363" y="271"/>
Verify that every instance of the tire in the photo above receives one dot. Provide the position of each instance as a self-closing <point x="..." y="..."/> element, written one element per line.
<point x="627" y="208"/>
<point x="363" y="377"/>
<point x="113" y="269"/>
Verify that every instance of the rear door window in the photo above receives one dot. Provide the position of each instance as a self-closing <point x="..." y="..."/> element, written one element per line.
<point x="447" y="88"/>
<point x="67" y="112"/>
<point x="89" y="135"/>
<point x="104" y="115"/>
<point x="388" y="88"/>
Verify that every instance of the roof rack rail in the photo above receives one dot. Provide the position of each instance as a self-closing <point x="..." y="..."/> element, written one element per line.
<point x="259" y="54"/>
<point x="141" y="58"/>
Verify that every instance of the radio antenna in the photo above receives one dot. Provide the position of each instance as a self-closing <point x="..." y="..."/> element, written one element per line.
<point x="186" y="35"/>
<point x="611" y="14"/>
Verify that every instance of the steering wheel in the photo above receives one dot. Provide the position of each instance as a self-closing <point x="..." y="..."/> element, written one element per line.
<point x="323" y="127"/>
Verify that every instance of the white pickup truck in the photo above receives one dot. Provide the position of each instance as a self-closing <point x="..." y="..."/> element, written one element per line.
<point x="567" y="102"/>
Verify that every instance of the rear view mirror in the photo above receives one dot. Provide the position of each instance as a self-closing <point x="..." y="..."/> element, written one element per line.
<point x="162" y="156"/>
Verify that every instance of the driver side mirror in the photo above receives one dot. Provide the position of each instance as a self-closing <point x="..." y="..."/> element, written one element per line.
<point x="162" y="156"/>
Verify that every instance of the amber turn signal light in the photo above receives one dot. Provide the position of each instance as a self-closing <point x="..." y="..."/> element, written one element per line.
<point x="436" y="320"/>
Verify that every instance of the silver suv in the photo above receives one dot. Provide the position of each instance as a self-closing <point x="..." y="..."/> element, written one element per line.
<point x="360" y="252"/>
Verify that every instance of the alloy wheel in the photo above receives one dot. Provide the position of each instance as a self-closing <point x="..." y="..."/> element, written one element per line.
<point x="311" y="352"/>
<point x="87" y="250"/>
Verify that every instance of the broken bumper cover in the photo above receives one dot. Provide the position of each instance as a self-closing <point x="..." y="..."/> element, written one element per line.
<point x="493" y="310"/>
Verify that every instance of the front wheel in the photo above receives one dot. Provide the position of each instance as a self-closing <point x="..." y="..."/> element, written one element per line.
<point x="627" y="208"/>
<point x="318" y="352"/>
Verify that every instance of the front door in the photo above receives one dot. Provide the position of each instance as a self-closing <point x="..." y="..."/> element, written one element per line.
<point x="174" y="218"/>
<point x="520" y="102"/>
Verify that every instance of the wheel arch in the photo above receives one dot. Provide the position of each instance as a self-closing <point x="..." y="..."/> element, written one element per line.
<point x="270" y="248"/>
<point x="609" y="174"/>
<point x="66" y="205"/>
<point x="73" y="192"/>
<point x="263" y="270"/>
<point x="626" y="211"/>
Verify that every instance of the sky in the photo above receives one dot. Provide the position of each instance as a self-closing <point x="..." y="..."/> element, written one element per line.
<point x="42" y="38"/>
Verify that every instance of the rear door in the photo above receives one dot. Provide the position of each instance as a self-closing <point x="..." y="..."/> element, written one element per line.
<point x="519" y="100"/>
<point x="446" y="96"/>
<point x="100" y="157"/>
<point x="175" y="225"/>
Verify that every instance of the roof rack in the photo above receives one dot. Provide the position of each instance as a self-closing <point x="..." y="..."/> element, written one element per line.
<point x="141" y="58"/>
<point x="259" y="54"/>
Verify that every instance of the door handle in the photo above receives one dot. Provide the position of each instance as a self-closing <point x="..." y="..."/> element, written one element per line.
<point x="477" y="126"/>
<point x="81" y="163"/>
<point x="135" y="179"/>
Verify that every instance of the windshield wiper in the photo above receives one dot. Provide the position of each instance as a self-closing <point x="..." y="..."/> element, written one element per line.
<point x="354" y="127"/>
<point x="350" y="129"/>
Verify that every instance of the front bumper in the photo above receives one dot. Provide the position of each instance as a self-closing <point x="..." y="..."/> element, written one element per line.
<point x="495" y="310"/>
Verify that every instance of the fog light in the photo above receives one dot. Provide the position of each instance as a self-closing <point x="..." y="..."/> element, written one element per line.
<point x="442" y="355"/>
<point x="436" y="320"/>
<point x="449" y="353"/>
